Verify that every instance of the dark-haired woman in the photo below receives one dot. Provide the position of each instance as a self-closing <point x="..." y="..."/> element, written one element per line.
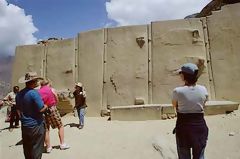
<point x="189" y="100"/>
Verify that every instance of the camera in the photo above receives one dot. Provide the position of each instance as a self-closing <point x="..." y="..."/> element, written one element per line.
<point x="47" y="111"/>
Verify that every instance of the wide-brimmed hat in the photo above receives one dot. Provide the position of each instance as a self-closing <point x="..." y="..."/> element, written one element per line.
<point x="79" y="84"/>
<point x="189" y="68"/>
<point x="29" y="76"/>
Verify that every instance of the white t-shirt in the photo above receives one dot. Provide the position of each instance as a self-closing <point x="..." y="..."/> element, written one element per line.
<point x="190" y="99"/>
<point x="10" y="98"/>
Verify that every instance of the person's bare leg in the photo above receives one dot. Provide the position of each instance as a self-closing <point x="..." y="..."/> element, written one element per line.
<point x="63" y="145"/>
<point x="61" y="134"/>
<point x="47" y="138"/>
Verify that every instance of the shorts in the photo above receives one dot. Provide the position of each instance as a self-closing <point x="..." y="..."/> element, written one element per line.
<point x="53" y="119"/>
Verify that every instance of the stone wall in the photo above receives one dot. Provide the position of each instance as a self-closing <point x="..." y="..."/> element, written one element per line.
<point x="136" y="64"/>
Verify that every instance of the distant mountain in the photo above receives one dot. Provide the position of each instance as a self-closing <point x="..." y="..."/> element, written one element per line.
<point x="6" y="63"/>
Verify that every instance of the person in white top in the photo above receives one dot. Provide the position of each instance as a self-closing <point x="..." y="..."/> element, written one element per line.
<point x="11" y="102"/>
<point x="189" y="101"/>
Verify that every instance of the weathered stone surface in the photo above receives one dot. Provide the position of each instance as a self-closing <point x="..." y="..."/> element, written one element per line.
<point x="136" y="112"/>
<point x="220" y="107"/>
<point x="166" y="149"/>
<point x="119" y="65"/>
<point x="165" y="111"/>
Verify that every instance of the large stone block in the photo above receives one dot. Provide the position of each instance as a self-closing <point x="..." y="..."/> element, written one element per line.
<point x="126" y="74"/>
<point x="164" y="111"/>
<point x="211" y="108"/>
<point x="173" y="44"/>
<point x="220" y="107"/>
<point x="90" y="57"/>
<point x="136" y="112"/>
<point x="223" y="31"/>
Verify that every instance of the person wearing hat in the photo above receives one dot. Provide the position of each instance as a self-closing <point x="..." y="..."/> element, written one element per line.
<point x="53" y="118"/>
<point x="30" y="108"/>
<point x="189" y="101"/>
<point x="80" y="102"/>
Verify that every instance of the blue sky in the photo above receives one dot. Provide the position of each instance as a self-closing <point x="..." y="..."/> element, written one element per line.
<point x="64" y="18"/>
<point x="24" y="22"/>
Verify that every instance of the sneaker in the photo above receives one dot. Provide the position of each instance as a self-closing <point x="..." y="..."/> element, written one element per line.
<point x="64" y="146"/>
<point x="80" y="126"/>
<point x="49" y="149"/>
<point x="10" y="129"/>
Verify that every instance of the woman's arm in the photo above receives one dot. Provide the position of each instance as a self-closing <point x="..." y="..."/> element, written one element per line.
<point x="175" y="105"/>
<point x="55" y="94"/>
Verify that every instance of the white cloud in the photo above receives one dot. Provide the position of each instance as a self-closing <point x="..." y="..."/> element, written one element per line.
<point x="16" y="28"/>
<point x="130" y="12"/>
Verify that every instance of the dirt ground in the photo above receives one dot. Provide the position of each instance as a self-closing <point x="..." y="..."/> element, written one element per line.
<point x="104" y="139"/>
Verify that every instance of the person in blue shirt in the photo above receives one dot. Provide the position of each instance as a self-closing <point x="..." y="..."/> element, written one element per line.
<point x="30" y="108"/>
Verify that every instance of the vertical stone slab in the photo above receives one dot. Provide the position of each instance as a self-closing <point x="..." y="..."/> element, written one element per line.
<point x="223" y="28"/>
<point x="173" y="44"/>
<point x="60" y="63"/>
<point x="90" y="68"/>
<point x="28" y="58"/>
<point x="127" y="65"/>
<point x="209" y="61"/>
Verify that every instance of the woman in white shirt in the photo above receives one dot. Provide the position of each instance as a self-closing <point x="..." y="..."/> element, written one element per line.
<point x="189" y="101"/>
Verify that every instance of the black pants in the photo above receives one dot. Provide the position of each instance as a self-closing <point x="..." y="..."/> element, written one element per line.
<point x="33" y="141"/>
<point x="14" y="117"/>
<point x="191" y="133"/>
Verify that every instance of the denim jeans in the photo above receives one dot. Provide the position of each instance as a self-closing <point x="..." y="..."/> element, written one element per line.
<point x="81" y="114"/>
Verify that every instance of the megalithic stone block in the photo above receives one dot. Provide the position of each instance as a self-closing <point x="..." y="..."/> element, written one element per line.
<point x="136" y="112"/>
<point x="220" y="107"/>
<point x="164" y="111"/>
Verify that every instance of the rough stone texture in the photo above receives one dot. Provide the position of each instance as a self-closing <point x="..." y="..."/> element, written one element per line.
<point x="174" y="43"/>
<point x="166" y="149"/>
<point x="90" y="68"/>
<point x="64" y="106"/>
<point x="28" y="58"/>
<point x="151" y="112"/>
<point x="136" y="112"/>
<point x="223" y="28"/>
<point x="120" y="65"/>
<point x="220" y="107"/>
<point x="60" y="61"/>
<point x="127" y="65"/>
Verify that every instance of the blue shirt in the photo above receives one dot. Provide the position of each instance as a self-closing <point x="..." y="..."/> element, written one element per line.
<point x="29" y="102"/>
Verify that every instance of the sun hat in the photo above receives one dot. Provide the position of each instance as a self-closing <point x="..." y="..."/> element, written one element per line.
<point x="79" y="84"/>
<point x="189" y="68"/>
<point x="29" y="76"/>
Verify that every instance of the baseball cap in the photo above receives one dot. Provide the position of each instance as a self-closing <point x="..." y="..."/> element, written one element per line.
<point x="189" y="68"/>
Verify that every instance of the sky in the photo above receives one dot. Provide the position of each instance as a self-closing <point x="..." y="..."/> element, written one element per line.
<point x="25" y="22"/>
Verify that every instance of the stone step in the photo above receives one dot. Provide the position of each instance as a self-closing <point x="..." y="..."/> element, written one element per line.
<point x="164" y="111"/>
<point x="136" y="112"/>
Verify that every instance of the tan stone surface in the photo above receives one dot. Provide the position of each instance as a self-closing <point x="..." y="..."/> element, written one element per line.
<point x="136" y="112"/>
<point x="90" y="68"/>
<point x="127" y="65"/>
<point x="136" y="64"/>
<point x="104" y="139"/>
<point x="28" y="58"/>
<point x="224" y="39"/>
<point x="164" y="111"/>
<point x="60" y="63"/>
<point x="173" y="44"/>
